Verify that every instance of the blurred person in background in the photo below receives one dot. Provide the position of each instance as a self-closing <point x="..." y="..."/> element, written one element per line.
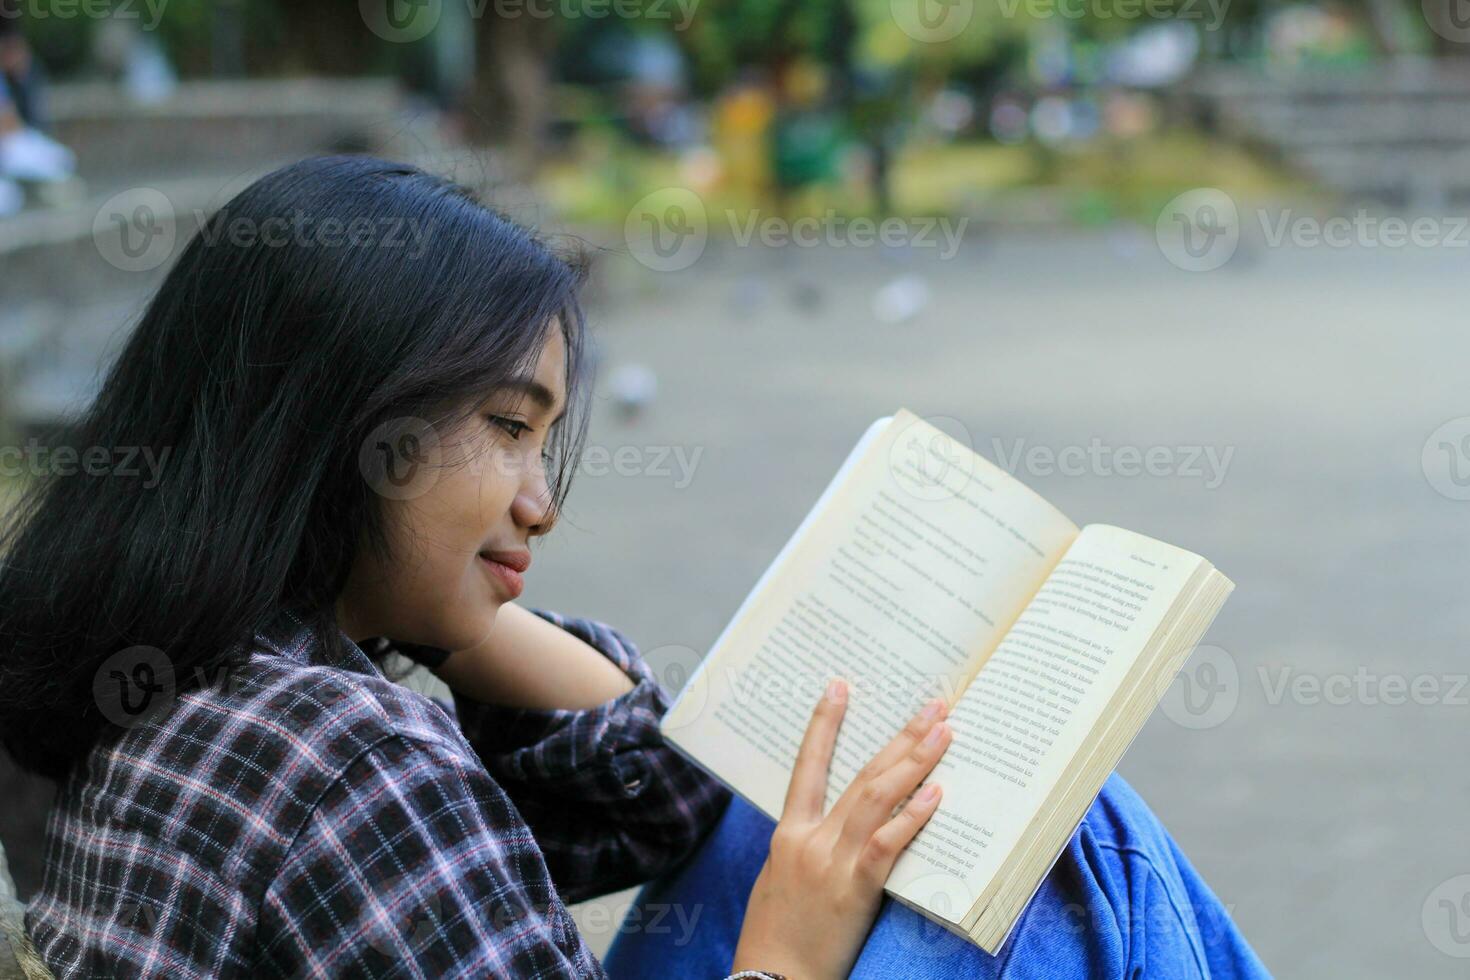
<point x="27" y="154"/>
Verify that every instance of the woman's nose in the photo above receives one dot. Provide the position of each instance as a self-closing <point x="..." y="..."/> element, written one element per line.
<point x="532" y="508"/>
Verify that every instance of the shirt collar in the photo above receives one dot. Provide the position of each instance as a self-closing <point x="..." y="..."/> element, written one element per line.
<point x="289" y="635"/>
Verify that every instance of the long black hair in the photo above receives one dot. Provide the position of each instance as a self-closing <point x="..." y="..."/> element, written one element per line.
<point x="328" y="299"/>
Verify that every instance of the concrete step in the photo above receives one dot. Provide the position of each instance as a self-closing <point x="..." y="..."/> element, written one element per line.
<point x="1398" y="134"/>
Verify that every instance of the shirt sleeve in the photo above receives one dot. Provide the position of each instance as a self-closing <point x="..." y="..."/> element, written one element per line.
<point x="415" y="864"/>
<point x="610" y="802"/>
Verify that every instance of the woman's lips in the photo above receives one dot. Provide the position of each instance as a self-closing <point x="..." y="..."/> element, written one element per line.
<point x="506" y="568"/>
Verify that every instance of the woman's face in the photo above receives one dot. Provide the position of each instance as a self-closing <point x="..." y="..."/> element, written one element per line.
<point x="460" y="546"/>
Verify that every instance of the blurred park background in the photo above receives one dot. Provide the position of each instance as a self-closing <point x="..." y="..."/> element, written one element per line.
<point x="1196" y="267"/>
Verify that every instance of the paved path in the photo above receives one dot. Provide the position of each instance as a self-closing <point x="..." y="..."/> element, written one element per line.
<point x="1325" y="819"/>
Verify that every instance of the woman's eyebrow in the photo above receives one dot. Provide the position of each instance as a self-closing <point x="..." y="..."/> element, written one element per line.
<point x="539" y="393"/>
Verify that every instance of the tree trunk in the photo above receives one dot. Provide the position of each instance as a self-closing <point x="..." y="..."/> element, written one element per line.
<point x="512" y="102"/>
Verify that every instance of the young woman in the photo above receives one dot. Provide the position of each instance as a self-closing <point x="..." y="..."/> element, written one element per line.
<point x="352" y="405"/>
<point x="337" y="428"/>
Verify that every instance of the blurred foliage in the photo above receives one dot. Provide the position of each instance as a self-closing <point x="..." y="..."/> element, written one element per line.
<point x="720" y="40"/>
<point x="1102" y="181"/>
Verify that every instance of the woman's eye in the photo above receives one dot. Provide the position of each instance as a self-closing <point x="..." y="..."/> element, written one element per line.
<point x="512" y="427"/>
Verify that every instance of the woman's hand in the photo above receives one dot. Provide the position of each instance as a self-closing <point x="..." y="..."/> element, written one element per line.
<point x="819" y="891"/>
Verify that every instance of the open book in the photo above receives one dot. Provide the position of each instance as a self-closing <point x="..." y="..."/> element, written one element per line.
<point x="926" y="570"/>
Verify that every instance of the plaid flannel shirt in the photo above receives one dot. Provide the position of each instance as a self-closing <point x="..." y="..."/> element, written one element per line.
<point x="300" y="818"/>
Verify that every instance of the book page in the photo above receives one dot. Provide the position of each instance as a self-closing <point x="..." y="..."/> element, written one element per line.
<point x="1035" y="702"/>
<point x="913" y="570"/>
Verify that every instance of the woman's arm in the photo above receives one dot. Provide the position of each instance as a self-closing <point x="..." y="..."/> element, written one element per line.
<point x="528" y="662"/>
<point x="415" y="861"/>
<point x="610" y="803"/>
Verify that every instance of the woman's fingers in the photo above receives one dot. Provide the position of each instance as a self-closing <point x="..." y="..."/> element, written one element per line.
<point x="886" y="843"/>
<point x="806" y="794"/>
<point x="900" y="746"/>
<point x="886" y="790"/>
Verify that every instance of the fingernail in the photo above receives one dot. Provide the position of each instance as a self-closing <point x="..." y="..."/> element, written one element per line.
<point x="928" y="793"/>
<point x="836" y="691"/>
<point x="935" y="734"/>
<point x="931" y="710"/>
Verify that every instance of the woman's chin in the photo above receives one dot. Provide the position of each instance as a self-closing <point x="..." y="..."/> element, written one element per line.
<point x="473" y="633"/>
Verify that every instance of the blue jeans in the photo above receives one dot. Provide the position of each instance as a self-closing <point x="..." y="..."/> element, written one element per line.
<point x="1121" y="901"/>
